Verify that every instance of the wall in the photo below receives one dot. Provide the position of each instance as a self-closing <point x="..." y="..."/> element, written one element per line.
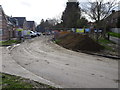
<point x="116" y="30"/>
<point x="3" y="26"/>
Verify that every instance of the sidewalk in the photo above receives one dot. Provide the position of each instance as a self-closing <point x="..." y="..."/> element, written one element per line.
<point x="11" y="67"/>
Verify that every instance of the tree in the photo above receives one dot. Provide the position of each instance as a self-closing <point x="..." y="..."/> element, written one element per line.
<point x="41" y="26"/>
<point x="71" y="14"/>
<point x="82" y="22"/>
<point x="99" y="10"/>
<point x="42" y="23"/>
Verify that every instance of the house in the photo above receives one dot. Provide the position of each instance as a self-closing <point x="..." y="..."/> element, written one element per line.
<point x="31" y="25"/>
<point x="4" y="32"/>
<point x="12" y="23"/>
<point x="112" y="20"/>
<point x="22" y="23"/>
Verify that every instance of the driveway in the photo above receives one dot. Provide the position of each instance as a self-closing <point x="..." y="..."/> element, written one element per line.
<point x="57" y="66"/>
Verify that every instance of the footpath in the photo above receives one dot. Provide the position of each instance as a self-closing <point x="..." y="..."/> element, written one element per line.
<point x="9" y="66"/>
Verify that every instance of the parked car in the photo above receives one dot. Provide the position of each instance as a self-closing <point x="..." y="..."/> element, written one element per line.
<point x="32" y="34"/>
<point x="38" y="34"/>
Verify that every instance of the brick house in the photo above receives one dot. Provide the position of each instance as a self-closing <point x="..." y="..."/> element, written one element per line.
<point x="112" y="20"/>
<point x="31" y="25"/>
<point x="4" y="32"/>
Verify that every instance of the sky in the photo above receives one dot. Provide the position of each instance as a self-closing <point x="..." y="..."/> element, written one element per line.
<point x="34" y="10"/>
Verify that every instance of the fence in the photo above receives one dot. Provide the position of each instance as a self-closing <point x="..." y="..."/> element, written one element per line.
<point x="116" y="30"/>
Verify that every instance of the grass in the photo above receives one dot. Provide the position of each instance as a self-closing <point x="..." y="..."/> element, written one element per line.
<point x="57" y="41"/>
<point x="105" y="42"/>
<point x="14" y="82"/>
<point x="9" y="81"/>
<point x="114" y="34"/>
<point x="9" y="42"/>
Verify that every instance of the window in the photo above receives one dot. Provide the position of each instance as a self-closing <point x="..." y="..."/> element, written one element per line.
<point x="1" y="33"/>
<point x="0" y="18"/>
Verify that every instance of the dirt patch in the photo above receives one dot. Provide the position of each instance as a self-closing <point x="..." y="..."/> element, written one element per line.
<point x="78" y="42"/>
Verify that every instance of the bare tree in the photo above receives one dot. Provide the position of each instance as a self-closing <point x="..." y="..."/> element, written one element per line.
<point x="99" y="10"/>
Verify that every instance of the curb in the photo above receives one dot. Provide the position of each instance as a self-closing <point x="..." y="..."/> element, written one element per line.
<point x="107" y="56"/>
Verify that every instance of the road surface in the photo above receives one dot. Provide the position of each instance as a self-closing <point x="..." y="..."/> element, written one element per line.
<point x="45" y="60"/>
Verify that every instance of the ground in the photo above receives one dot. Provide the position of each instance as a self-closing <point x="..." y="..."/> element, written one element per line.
<point x="12" y="82"/>
<point x="41" y="60"/>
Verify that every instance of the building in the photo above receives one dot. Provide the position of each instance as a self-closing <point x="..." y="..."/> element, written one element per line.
<point x="22" y="23"/>
<point x="112" y="20"/>
<point x="12" y="23"/>
<point x="4" y="32"/>
<point x="72" y="1"/>
<point x="31" y="25"/>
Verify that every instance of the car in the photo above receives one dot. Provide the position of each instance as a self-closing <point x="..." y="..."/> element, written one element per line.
<point x="32" y="34"/>
<point x="38" y="34"/>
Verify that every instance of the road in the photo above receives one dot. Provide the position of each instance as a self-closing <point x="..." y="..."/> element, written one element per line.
<point x="61" y="67"/>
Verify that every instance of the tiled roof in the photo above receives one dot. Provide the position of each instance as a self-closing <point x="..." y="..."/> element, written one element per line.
<point x="30" y="24"/>
<point x="20" y="21"/>
<point x="12" y="20"/>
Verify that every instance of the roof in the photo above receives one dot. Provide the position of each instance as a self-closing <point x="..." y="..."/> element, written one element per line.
<point x="72" y="0"/>
<point x="30" y="24"/>
<point x="12" y="20"/>
<point x="3" y="13"/>
<point x="112" y="20"/>
<point x="115" y="14"/>
<point x="20" y="21"/>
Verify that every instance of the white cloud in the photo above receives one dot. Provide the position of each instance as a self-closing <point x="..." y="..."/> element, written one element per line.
<point x="33" y="9"/>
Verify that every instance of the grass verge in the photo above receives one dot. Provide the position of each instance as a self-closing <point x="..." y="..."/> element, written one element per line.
<point x="9" y="42"/>
<point x="105" y="42"/>
<point x="12" y="82"/>
<point x="114" y="34"/>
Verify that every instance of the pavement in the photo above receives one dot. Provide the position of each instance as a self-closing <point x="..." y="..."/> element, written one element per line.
<point x="10" y="66"/>
<point x="41" y="60"/>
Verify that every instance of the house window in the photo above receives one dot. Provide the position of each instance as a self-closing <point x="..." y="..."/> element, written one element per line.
<point x="1" y="33"/>
<point x="0" y="18"/>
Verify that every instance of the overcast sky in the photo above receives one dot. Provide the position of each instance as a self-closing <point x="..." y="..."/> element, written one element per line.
<point x="34" y="9"/>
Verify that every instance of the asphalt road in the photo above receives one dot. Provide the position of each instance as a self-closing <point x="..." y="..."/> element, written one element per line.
<point x="48" y="61"/>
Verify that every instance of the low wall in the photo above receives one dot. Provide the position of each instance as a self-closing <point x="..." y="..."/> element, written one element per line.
<point x="116" y="30"/>
<point x="115" y="40"/>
